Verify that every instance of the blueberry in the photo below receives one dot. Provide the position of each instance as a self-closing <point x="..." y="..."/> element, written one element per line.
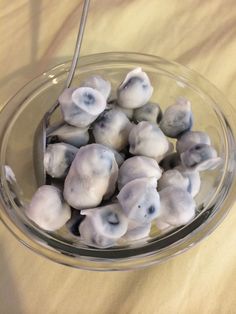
<point x="113" y="219"/>
<point x="177" y="118"/>
<point x="58" y="158"/>
<point x="151" y="210"/>
<point x="135" y="90"/>
<point x="177" y="208"/>
<point x="132" y="81"/>
<point x="143" y="204"/>
<point x="173" y="177"/>
<point x="92" y="176"/>
<point x="138" y="167"/>
<point x="147" y="139"/>
<point x="81" y="106"/>
<point x="48" y="209"/>
<point x="120" y="157"/>
<point x="89" y="99"/>
<point x="108" y="221"/>
<point x="191" y="138"/>
<point x="69" y="156"/>
<point x="98" y="83"/>
<point x="200" y="157"/>
<point x="112" y="129"/>
<point x="74" y="222"/>
<point x="69" y="134"/>
<point x="150" y="112"/>
<point x="113" y="104"/>
<point x="104" y="117"/>
<point x="91" y="237"/>
<point x="194" y="179"/>
<point x="170" y="161"/>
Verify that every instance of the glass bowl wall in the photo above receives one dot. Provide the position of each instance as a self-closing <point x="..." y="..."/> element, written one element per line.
<point x="20" y="117"/>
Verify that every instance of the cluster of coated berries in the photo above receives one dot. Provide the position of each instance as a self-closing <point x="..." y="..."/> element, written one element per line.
<point x="117" y="165"/>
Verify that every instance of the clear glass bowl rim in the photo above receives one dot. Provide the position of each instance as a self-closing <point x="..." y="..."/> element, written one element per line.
<point x="43" y="244"/>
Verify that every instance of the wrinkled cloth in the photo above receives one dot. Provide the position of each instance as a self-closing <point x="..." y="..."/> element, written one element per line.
<point x="198" y="34"/>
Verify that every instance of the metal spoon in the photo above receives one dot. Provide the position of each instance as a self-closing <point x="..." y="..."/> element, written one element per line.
<point x="40" y="138"/>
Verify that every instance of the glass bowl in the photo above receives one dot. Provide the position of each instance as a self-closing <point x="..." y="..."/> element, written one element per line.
<point x="20" y="117"/>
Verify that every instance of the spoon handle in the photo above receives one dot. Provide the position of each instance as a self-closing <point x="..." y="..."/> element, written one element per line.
<point x="78" y="43"/>
<point x="75" y="56"/>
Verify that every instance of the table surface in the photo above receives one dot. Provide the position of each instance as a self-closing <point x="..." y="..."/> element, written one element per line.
<point x="200" y="34"/>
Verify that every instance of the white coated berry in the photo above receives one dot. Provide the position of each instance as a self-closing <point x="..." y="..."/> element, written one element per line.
<point x="98" y="83"/>
<point x="140" y="200"/>
<point x="147" y="139"/>
<point x="194" y="179"/>
<point x="136" y="232"/>
<point x="200" y="157"/>
<point x="177" y="208"/>
<point x="173" y="177"/>
<point x="89" y="235"/>
<point x="108" y="221"/>
<point x="150" y="112"/>
<point x="112" y="129"/>
<point x="191" y="138"/>
<point x="47" y="208"/>
<point x="58" y="158"/>
<point x="177" y="118"/>
<point x="138" y="167"/>
<point x="72" y="135"/>
<point x="135" y="91"/>
<point x="81" y="106"/>
<point x="92" y="177"/>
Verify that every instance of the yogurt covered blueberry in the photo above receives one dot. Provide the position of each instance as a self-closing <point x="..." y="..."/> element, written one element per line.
<point x="119" y="173"/>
